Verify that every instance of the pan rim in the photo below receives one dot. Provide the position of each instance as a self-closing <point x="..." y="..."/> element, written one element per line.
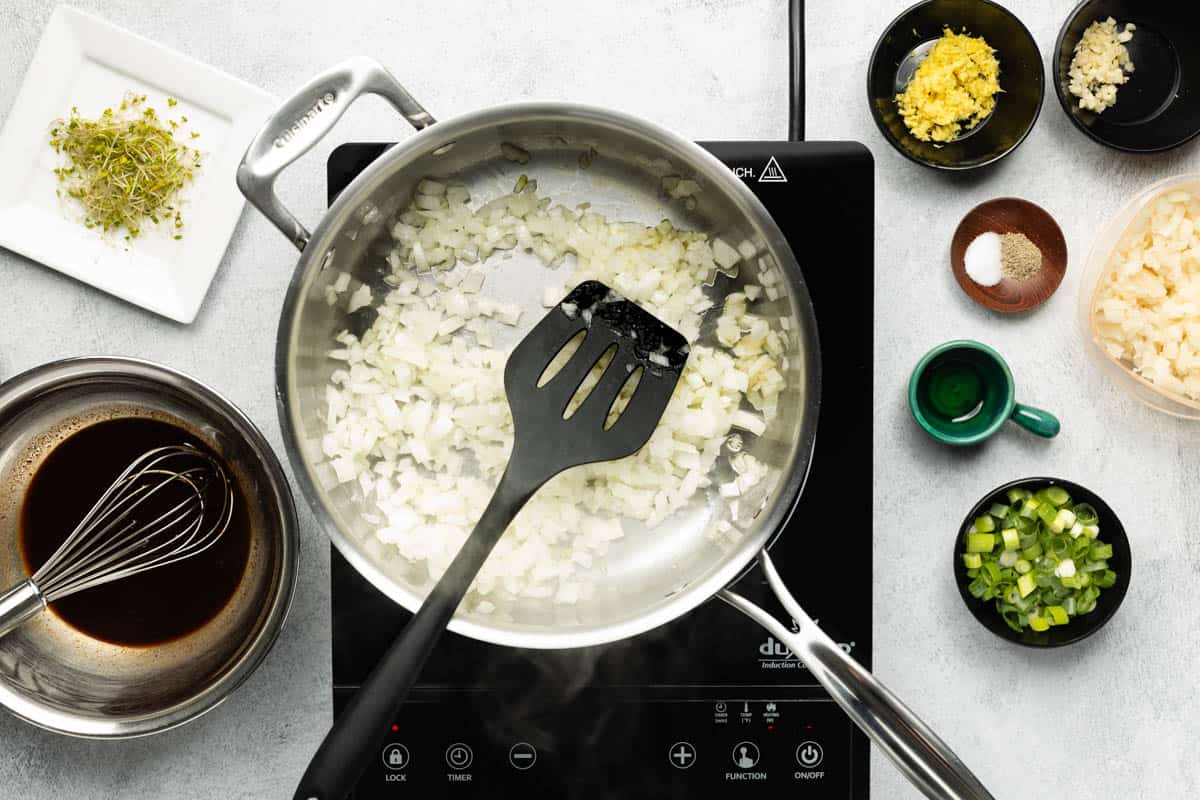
<point x="739" y="560"/>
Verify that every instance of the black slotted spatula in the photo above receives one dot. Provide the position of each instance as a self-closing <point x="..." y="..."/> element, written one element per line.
<point x="547" y="441"/>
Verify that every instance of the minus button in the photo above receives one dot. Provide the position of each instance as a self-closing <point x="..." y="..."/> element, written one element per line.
<point x="522" y="756"/>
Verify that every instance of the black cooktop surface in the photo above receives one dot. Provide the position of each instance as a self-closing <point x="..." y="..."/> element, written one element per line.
<point x="710" y="702"/>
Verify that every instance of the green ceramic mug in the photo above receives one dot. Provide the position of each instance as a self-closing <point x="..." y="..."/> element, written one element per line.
<point x="962" y="392"/>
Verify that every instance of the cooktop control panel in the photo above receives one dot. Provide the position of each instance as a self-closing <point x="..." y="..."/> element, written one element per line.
<point x="739" y="744"/>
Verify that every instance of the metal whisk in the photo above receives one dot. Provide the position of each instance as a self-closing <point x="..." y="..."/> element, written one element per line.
<point x="121" y="536"/>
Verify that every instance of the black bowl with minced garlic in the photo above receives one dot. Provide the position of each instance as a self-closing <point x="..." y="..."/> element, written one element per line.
<point x="907" y="41"/>
<point x="1158" y="108"/>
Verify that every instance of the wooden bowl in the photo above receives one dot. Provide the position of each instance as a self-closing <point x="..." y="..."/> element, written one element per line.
<point x="1012" y="215"/>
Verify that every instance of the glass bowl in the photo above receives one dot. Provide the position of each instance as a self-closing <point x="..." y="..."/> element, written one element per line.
<point x="1133" y="215"/>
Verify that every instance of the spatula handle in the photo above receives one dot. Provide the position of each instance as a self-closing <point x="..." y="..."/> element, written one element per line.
<point x="359" y="732"/>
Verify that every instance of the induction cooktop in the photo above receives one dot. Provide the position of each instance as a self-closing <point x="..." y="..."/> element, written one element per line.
<point x="709" y="702"/>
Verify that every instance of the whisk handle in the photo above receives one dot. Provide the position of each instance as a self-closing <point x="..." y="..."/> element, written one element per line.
<point x="19" y="604"/>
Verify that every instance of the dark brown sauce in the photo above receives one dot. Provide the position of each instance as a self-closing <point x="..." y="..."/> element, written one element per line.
<point x="159" y="605"/>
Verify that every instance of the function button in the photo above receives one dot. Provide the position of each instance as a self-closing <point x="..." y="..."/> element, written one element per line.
<point x="809" y="755"/>
<point x="745" y="755"/>
<point x="682" y="755"/>
<point x="395" y="756"/>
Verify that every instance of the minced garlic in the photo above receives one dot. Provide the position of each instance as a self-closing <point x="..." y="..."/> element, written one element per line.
<point x="953" y="89"/>
<point x="1100" y="64"/>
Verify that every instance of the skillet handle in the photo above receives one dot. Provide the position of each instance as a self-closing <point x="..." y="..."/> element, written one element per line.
<point x="305" y="119"/>
<point x="913" y="747"/>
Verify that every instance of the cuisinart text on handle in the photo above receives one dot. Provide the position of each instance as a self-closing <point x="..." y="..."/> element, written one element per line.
<point x="323" y="102"/>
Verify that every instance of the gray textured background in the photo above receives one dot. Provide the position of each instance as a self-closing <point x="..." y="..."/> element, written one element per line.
<point x="1112" y="717"/>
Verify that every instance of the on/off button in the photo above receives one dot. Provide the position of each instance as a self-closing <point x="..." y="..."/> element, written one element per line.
<point x="809" y="755"/>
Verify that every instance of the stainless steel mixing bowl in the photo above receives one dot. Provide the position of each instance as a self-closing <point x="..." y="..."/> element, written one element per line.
<point x="56" y="677"/>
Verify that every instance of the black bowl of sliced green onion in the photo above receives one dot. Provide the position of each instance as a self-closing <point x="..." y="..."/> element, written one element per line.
<point x="1042" y="562"/>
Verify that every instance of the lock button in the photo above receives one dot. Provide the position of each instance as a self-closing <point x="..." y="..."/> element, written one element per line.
<point x="395" y="756"/>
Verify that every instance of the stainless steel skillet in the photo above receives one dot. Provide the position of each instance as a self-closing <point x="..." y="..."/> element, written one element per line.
<point x="650" y="577"/>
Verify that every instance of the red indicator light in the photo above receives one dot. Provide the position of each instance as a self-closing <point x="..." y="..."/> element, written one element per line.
<point x="770" y="727"/>
<point x="397" y="727"/>
<point x="808" y="727"/>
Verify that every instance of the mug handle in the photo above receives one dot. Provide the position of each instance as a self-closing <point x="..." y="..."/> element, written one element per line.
<point x="1036" y="421"/>
<point x="303" y="121"/>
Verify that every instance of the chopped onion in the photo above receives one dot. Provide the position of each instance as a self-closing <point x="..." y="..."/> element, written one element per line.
<point x="416" y="418"/>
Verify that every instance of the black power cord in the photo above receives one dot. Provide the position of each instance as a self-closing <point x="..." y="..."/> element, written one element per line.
<point x="795" y="70"/>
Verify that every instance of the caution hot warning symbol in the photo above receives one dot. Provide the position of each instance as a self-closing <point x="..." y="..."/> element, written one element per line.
<point x="772" y="173"/>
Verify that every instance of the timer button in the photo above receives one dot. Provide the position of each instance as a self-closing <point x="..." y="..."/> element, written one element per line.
<point x="459" y="756"/>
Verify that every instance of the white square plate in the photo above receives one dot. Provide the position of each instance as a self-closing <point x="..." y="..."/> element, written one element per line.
<point x="86" y="62"/>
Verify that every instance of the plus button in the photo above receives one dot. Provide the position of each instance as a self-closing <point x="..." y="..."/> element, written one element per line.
<point x="683" y="755"/>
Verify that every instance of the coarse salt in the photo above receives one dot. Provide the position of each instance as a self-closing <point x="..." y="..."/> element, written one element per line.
<point x="982" y="259"/>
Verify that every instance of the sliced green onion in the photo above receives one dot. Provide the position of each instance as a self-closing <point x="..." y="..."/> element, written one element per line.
<point x="1012" y="617"/>
<point x="1024" y="525"/>
<point x="1086" y="514"/>
<point x="1055" y="495"/>
<point x="1080" y="547"/>
<point x="1017" y="495"/>
<point x="980" y="542"/>
<point x="1062" y="520"/>
<point x="1038" y="558"/>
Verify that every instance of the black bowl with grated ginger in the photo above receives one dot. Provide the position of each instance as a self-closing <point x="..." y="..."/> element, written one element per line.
<point x="906" y="42"/>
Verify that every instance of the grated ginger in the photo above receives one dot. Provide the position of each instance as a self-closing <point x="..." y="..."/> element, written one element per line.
<point x="954" y="88"/>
